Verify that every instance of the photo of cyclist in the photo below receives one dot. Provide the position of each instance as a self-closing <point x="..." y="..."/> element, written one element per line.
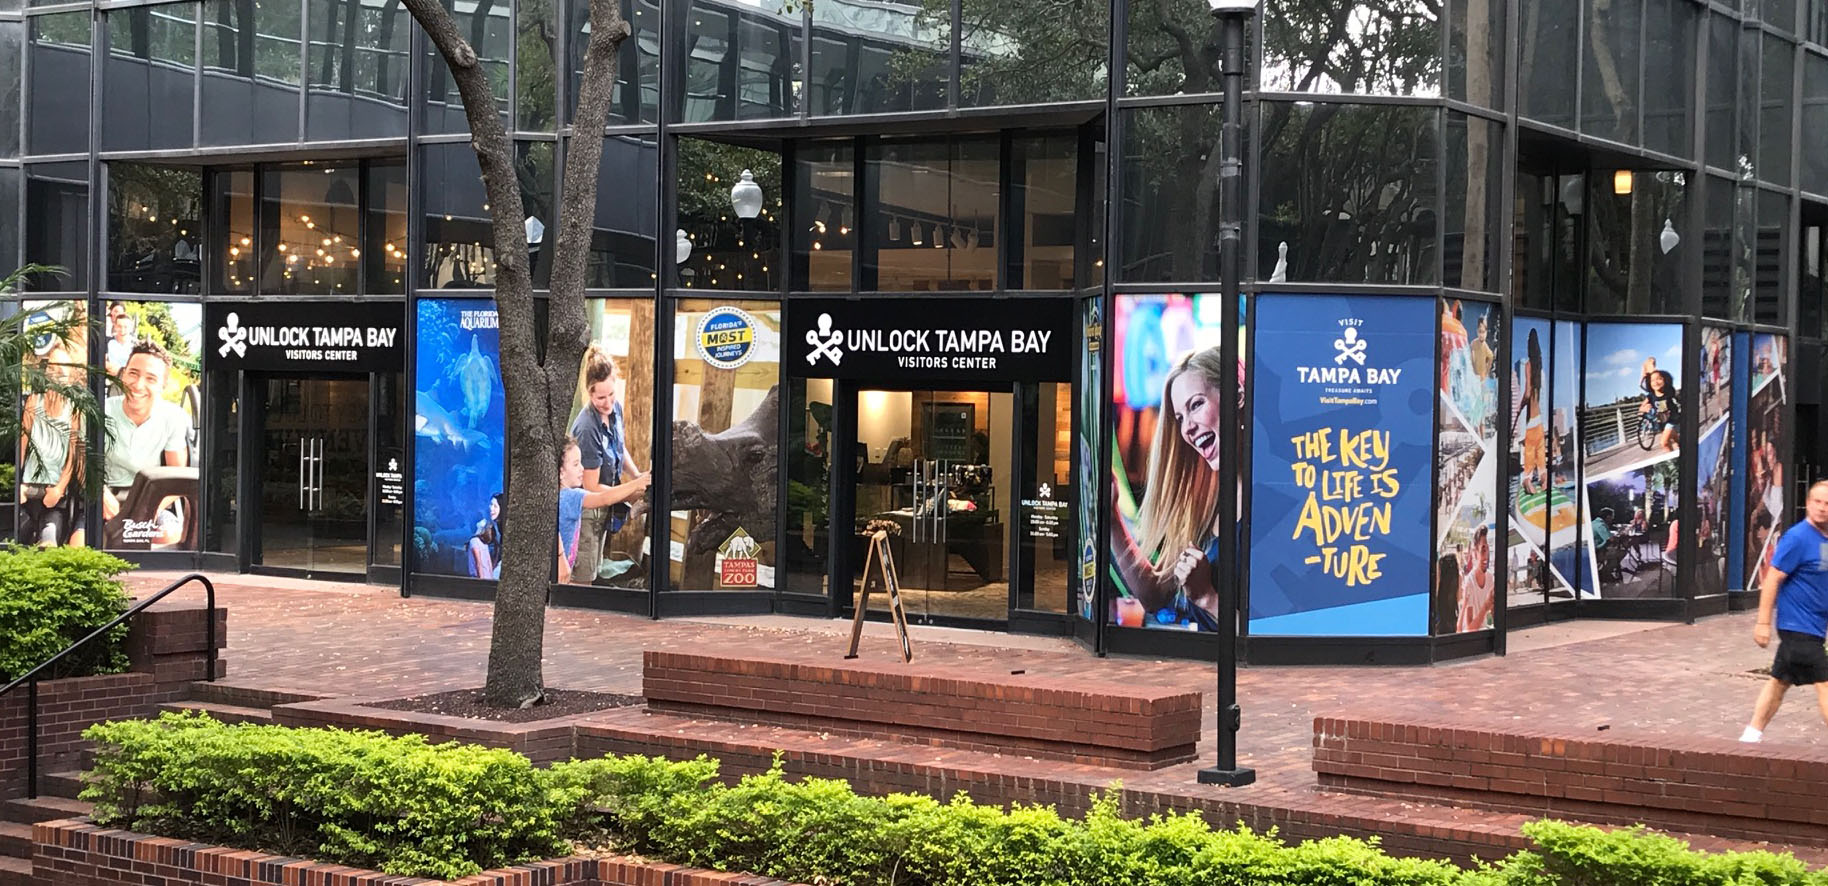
<point x="1660" y="407"/>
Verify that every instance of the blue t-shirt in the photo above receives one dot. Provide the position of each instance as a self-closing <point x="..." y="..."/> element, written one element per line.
<point x="571" y="512"/>
<point x="1802" y="600"/>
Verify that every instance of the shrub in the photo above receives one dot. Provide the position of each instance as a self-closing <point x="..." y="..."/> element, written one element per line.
<point x="398" y="805"/>
<point x="1573" y="855"/>
<point x="53" y="597"/>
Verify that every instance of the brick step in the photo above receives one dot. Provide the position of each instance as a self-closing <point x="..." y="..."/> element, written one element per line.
<point x="61" y="784"/>
<point x="15" y="871"/>
<point x="15" y="840"/>
<point x="42" y="809"/>
<point x="223" y="713"/>
<point x="248" y="696"/>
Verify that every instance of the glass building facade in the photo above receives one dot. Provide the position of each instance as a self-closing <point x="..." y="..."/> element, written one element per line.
<point x="1532" y="321"/>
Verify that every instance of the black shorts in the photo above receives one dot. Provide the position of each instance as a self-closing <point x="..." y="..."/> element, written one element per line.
<point x="1801" y="659"/>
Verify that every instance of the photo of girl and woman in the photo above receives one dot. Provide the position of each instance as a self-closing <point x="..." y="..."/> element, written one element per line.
<point x="1164" y="551"/>
<point x="603" y="478"/>
<point x="52" y="435"/>
<point x="1632" y="409"/>
<point x="1467" y="467"/>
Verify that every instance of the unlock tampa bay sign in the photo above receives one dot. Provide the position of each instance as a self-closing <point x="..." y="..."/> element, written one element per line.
<point x="304" y="336"/>
<point x="878" y="338"/>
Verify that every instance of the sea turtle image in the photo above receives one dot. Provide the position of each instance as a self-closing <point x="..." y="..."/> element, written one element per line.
<point x="476" y="377"/>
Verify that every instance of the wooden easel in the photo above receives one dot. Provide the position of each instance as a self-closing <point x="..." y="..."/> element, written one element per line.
<point x="879" y="574"/>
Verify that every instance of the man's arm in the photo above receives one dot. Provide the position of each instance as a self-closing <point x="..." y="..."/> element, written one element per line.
<point x="1767" y="605"/>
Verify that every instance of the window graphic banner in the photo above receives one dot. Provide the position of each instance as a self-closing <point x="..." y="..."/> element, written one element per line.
<point x="52" y="437"/>
<point x="1767" y="436"/>
<point x="1086" y="467"/>
<point x="1467" y="436"/>
<point x="1714" y="472"/>
<point x="149" y="492"/>
<point x="459" y="419"/>
<point x="1631" y="418"/>
<point x="1343" y="422"/>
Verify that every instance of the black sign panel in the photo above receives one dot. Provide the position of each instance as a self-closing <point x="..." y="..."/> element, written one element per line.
<point x="304" y="336"/>
<point x="885" y="337"/>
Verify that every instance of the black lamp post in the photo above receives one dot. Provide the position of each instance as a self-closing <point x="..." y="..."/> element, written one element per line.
<point x="1232" y="16"/>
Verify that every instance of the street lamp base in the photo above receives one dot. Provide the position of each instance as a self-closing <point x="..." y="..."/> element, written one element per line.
<point x="1231" y="778"/>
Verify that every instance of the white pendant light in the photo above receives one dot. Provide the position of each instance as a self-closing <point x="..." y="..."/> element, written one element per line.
<point x="914" y="236"/>
<point x="746" y="196"/>
<point x="1669" y="239"/>
<point x="682" y="247"/>
<point x="894" y="229"/>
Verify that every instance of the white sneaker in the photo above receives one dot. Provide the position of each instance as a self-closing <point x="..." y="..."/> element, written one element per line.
<point x="1751" y="735"/>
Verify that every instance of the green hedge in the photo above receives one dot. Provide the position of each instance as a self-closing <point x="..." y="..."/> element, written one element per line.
<point x="53" y="597"/>
<point x="408" y="808"/>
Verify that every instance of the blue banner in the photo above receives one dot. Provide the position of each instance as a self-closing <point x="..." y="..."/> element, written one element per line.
<point x="459" y="415"/>
<point x="1343" y="406"/>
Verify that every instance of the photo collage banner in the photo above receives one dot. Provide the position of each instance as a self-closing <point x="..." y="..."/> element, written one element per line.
<point x="1466" y="519"/>
<point x="1631" y="416"/>
<point x="1544" y="519"/>
<point x="1766" y="452"/>
<point x="1090" y="422"/>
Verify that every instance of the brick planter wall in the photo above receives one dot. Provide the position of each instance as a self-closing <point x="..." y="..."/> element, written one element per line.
<point x="1696" y="785"/>
<point x="75" y="851"/>
<point x="166" y="648"/>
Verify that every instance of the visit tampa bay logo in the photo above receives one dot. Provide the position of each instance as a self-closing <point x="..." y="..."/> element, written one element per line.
<point x="1351" y="361"/>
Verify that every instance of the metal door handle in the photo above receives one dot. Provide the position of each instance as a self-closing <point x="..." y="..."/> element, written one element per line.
<point x="317" y="486"/>
<point x="302" y="443"/>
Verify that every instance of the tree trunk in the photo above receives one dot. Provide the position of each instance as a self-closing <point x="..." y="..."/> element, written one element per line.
<point x="538" y="391"/>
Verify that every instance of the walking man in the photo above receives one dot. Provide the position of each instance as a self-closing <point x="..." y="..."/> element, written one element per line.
<point x="1795" y="587"/>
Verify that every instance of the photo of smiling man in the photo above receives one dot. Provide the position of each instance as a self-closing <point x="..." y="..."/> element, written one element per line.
<point x="144" y="431"/>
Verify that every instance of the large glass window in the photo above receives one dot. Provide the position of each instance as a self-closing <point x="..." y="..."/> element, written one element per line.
<point x="9" y="216"/>
<point x="730" y="252"/>
<point x="310" y="225"/>
<point x="384" y="243"/>
<point x="1815" y="122"/>
<point x="1770" y="259"/>
<point x="622" y="246"/>
<point x="1385" y="48"/>
<point x="57" y="203"/>
<point x="1172" y="50"/>
<point x="232" y="256"/>
<point x="1547" y="60"/>
<point x="1609" y="73"/>
<point x="808" y="464"/>
<point x="252" y="68"/>
<point x="1475" y="175"/>
<point x="484" y="24"/>
<point x="1776" y="109"/>
<point x="1720" y="293"/>
<point x="459" y="239"/>
<point x="1669" y="75"/>
<point x="1722" y="91"/>
<point x="937" y="216"/>
<point x="876" y="57"/>
<point x="1475" y="51"/>
<point x="59" y="88"/>
<point x="612" y="420"/>
<point x="1046" y="494"/>
<point x="150" y="78"/>
<point x="637" y="98"/>
<point x="155" y="229"/>
<point x="1045" y="180"/>
<point x="358" y="65"/>
<point x="1170" y="194"/>
<point x="741" y="62"/>
<point x="12" y="56"/>
<point x="1032" y="51"/>
<point x="1635" y="233"/>
<point x="1533" y="224"/>
<point x="536" y="51"/>
<point x="1351" y="190"/>
<point x="536" y="165"/>
<point x="826" y="178"/>
<point x="1750" y="64"/>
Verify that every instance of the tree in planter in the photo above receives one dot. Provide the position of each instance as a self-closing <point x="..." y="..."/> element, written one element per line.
<point x="47" y="411"/>
<point x="538" y="377"/>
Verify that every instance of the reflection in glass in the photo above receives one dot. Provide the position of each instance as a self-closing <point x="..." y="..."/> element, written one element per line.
<point x="484" y="24"/>
<point x="155" y="229"/>
<point x="808" y="464"/>
<point x="637" y="62"/>
<point x="459" y="240"/>
<point x="1046" y="546"/>
<point x="729" y="252"/>
<point x="12" y="58"/>
<point x="1170" y="173"/>
<point x="826" y="178"/>
<point x="150" y="77"/>
<point x="1719" y="282"/>
<point x="357" y="63"/>
<point x="221" y="484"/>
<point x="742" y="63"/>
<point x="1750" y="57"/>
<point x="937" y="215"/>
<point x="1172" y="49"/>
<point x="1550" y="34"/>
<point x="1045" y="180"/>
<point x="1669" y="76"/>
<point x="1628" y="269"/>
<point x="1032" y="51"/>
<point x="252" y="59"/>
<point x="1571" y="191"/>
<point x="1475" y="174"/>
<point x="1776" y="110"/>
<point x="1770" y="257"/>
<point x="535" y="166"/>
<point x="57" y="202"/>
<point x="231" y="249"/>
<point x="877" y="57"/>
<point x="1351" y="190"/>
<point x="1475" y="51"/>
<point x="1746" y="238"/>
<point x="1392" y="47"/>
<point x="1609" y="81"/>
<point x="310" y="229"/>
<point x="535" y="65"/>
<point x="1815" y="121"/>
<point x="1722" y="91"/>
<point x="1533" y="223"/>
<point x="9" y="216"/>
<point x="622" y="246"/>
<point x="1812" y="289"/>
<point x="384" y="246"/>
<point x="59" y="88"/>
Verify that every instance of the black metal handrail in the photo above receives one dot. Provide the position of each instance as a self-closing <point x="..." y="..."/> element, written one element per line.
<point x="31" y="677"/>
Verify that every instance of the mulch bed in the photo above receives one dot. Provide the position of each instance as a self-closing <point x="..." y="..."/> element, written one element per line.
<point x="469" y="703"/>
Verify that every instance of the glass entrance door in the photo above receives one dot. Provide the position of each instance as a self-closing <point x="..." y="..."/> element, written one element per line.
<point x="935" y="465"/>
<point x="313" y="474"/>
